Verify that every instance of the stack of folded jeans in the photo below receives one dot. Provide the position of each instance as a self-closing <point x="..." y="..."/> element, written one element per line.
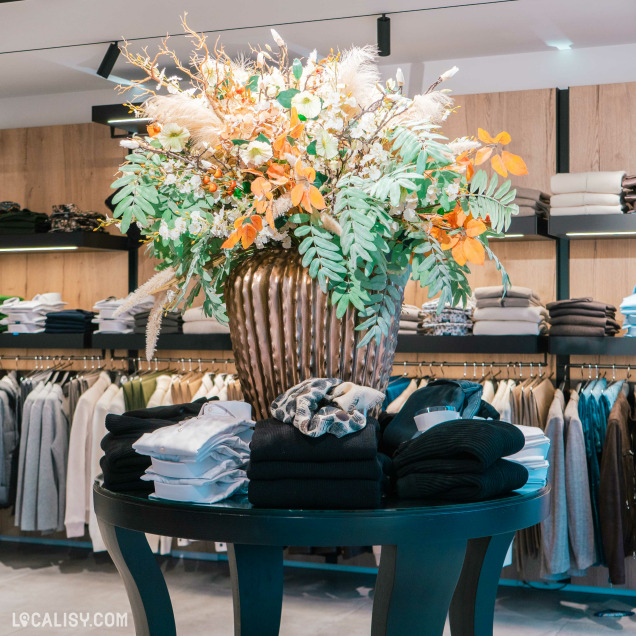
<point x="629" y="192"/>
<point x="29" y="316"/>
<point x="200" y="460"/>
<point x="170" y="322"/>
<point x="409" y="319"/>
<point x="460" y="460"/>
<point x="450" y="321"/>
<point x="533" y="456"/>
<point x="14" y="220"/>
<point x="196" y="321"/>
<point x="583" y="317"/>
<point x="578" y="193"/>
<point x="69" y="321"/>
<point x="107" y="322"/>
<point x="628" y="309"/>
<point x="532" y="202"/>
<point x="519" y="312"/>
<point x="121" y="466"/>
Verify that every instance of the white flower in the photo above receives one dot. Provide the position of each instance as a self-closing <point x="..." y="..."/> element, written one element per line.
<point x="431" y="194"/>
<point x="326" y="145"/>
<point x="195" y="228"/>
<point x="452" y="190"/>
<point x="399" y="77"/>
<point x="173" y="137"/>
<point x="313" y="56"/>
<point x="180" y="225"/>
<point x="196" y="216"/>
<point x="307" y="104"/>
<point x="256" y="153"/>
<point x="260" y="60"/>
<point x="271" y="83"/>
<point x="174" y="234"/>
<point x="164" y="230"/>
<point x="195" y="181"/>
<point x="463" y="144"/>
<point x="206" y="165"/>
<point x="171" y="179"/>
<point x="410" y="215"/>
<point x="129" y="143"/>
<point x="277" y="38"/>
<point x="449" y="73"/>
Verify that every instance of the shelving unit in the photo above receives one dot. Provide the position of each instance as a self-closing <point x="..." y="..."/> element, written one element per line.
<point x="593" y="226"/>
<point x="45" y="341"/>
<point x="193" y="342"/>
<point x="64" y="241"/>
<point x="527" y="228"/>
<point x="472" y="344"/>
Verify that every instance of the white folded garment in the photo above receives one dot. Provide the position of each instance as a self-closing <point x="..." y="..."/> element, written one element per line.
<point x="106" y="308"/>
<point x="25" y="315"/>
<point x="195" y="313"/>
<point x="531" y="486"/>
<point x="193" y="439"/>
<point x="24" y="328"/>
<point x="603" y="182"/>
<point x="23" y="319"/>
<point x="205" y="326"/>
<point x="410" y="312"/>
<point x="210" y="493"/>
<point x="221" y="472"/>
<point x="114" y="326"/>
<point x="237" y="455"/>
<point x="509" y="328"/>
<point x="497" y="291"/>
<point x="531" y="433"/>
<point x="587" y="210"/>
<point x="575" y="199"/>
<point x="529" y="314"/>
<point x="40" y="303"/>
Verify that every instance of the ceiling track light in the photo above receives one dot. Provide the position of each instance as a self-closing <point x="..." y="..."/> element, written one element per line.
<point x="384" y="36"/>
<point x="108" y="63"/>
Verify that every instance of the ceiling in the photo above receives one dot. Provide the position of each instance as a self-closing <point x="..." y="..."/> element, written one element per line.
<point x="454" y="32"/>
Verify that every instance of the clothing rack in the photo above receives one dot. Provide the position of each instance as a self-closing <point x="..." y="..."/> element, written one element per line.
<point x="476" y="367"/>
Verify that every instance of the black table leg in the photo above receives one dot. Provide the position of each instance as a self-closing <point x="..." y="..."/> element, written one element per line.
<point x="415" y="586"/>
<point x="145" y="585"/>
<point x="257" y="588"/>
<point x="472" y="609"/>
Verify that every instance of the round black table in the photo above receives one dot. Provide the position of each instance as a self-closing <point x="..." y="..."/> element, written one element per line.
<point x="435" y="559"/>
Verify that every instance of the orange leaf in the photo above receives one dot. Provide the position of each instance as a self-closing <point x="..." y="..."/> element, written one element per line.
<point x="503" y="138"/>
<point x="297" y="126"/>
<point x="474" y="251"/>
<point x="470" y="171"/>
<point x="239" y="222"/>
<point x="483" y="154"/>
<point x="249" y="234"/>
<point x="498" y="166"/>
<point x="316" y="198"/>
<point x="257" y="221"/>
<point x="449" y="242"/>
<point x="484" y="136"/>
<point x="297" y="194"/>
<point x="515" y="164"/>
<point x="231" y="241"/>
<point x="269" y="217"/>
<point x="261" y="186"/>
<point x="475" y="227"/>
<point x="276" y="172"/>
<point x="458" y="254"/>
<point x="306" y="201"/>
<point x="279" y="143"/>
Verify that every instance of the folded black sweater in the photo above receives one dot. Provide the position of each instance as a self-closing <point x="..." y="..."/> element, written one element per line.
<point x="500" y="479"/>
<point x="321" y="494"/>
<point x="274" y="441"/>
<point x="481" y="441"/>
<point x="266" y="471"/>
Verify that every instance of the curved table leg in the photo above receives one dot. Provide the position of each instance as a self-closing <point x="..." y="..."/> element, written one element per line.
<point x="472" y="609"/>
<point x="415" y="586"/>
<point x="257" y="588"/>
<point x="145" y="585"/>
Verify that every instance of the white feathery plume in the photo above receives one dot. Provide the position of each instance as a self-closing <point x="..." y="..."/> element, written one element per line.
<point x="431" y="107"/>
<point x="359" y="73"/>
<point x="330" y="224"/>
<point x="153" y="326"/>
<point x="202" y="122"/>
<point x="151" y="286"/>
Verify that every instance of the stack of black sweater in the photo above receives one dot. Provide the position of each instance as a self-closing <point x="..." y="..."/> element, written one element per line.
<point x="121" y="465"/>
<point x="460" y="460"/>
<point x="583" y="317"/>
<point x="69" y="321"/>
<point x="171" y="322"/>
<point x="14" y="220"/>
<point x="288" y="469"/>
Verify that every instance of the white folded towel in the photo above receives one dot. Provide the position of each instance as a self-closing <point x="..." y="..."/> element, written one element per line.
<point x="587" y="209"/>
<point x="575" y="199"/>
<point x="603" y="182"/>
<point x="509" y="328"/>
<point x="529" y="314"/>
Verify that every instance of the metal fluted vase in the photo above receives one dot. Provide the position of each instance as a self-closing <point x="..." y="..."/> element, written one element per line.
<point x="284" y="330"/>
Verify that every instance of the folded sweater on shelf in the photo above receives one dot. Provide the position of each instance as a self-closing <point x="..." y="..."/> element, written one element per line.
<point x="509" y="328"/>
<point x="583" y="210"/>
<point x="576" y="199"/>
<point x="600" y="182"/>
<point x="528" y="314"/>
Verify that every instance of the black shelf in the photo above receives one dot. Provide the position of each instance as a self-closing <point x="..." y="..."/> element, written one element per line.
<point x="527" y="228"/>
<point x="45" y="341"/>
<point x="186" y="342"/>
<point x="576" y="346"/>
<point x="472" y="344"/>
<point x="52" y="241"/>
<point x="593" y="226"/>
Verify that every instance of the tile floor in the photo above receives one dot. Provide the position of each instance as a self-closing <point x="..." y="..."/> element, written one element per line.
<point x="317" y="603"/>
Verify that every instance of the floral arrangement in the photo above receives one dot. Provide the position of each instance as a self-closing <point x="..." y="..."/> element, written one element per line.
<point x="312" y="155"/>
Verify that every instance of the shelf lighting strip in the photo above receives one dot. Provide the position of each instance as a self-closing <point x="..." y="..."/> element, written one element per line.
<point x="505" y="236"/>
<point x="128" y="120"/>
<point x="629" y="233"/>
<point x="61" y="248"/>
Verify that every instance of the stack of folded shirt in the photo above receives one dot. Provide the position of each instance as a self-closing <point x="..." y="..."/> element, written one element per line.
<point x="121" y="466"/>
<point x="29" y="316"/>
<point x="582" y="317"/>
<point x="170" y="322"/>
<point x="14" y="220"/>
<point x="200" y="460"/>
<point x="69" y="321"/>
<point x="532" y="202"/>
<point x="629" y="192"/>
<point x="533" y="456"/>
<point x="4" y="325"/>
<point x="409" y="319"/>
<point x="519" y="313"/>
<point x="460" y="460"/>
<point x="628" y="309"/>
<point x="196" y="321"/>
<point x="107" y="322"/>
<point x="450" y="321"/>
<point x="578" y="193"/>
